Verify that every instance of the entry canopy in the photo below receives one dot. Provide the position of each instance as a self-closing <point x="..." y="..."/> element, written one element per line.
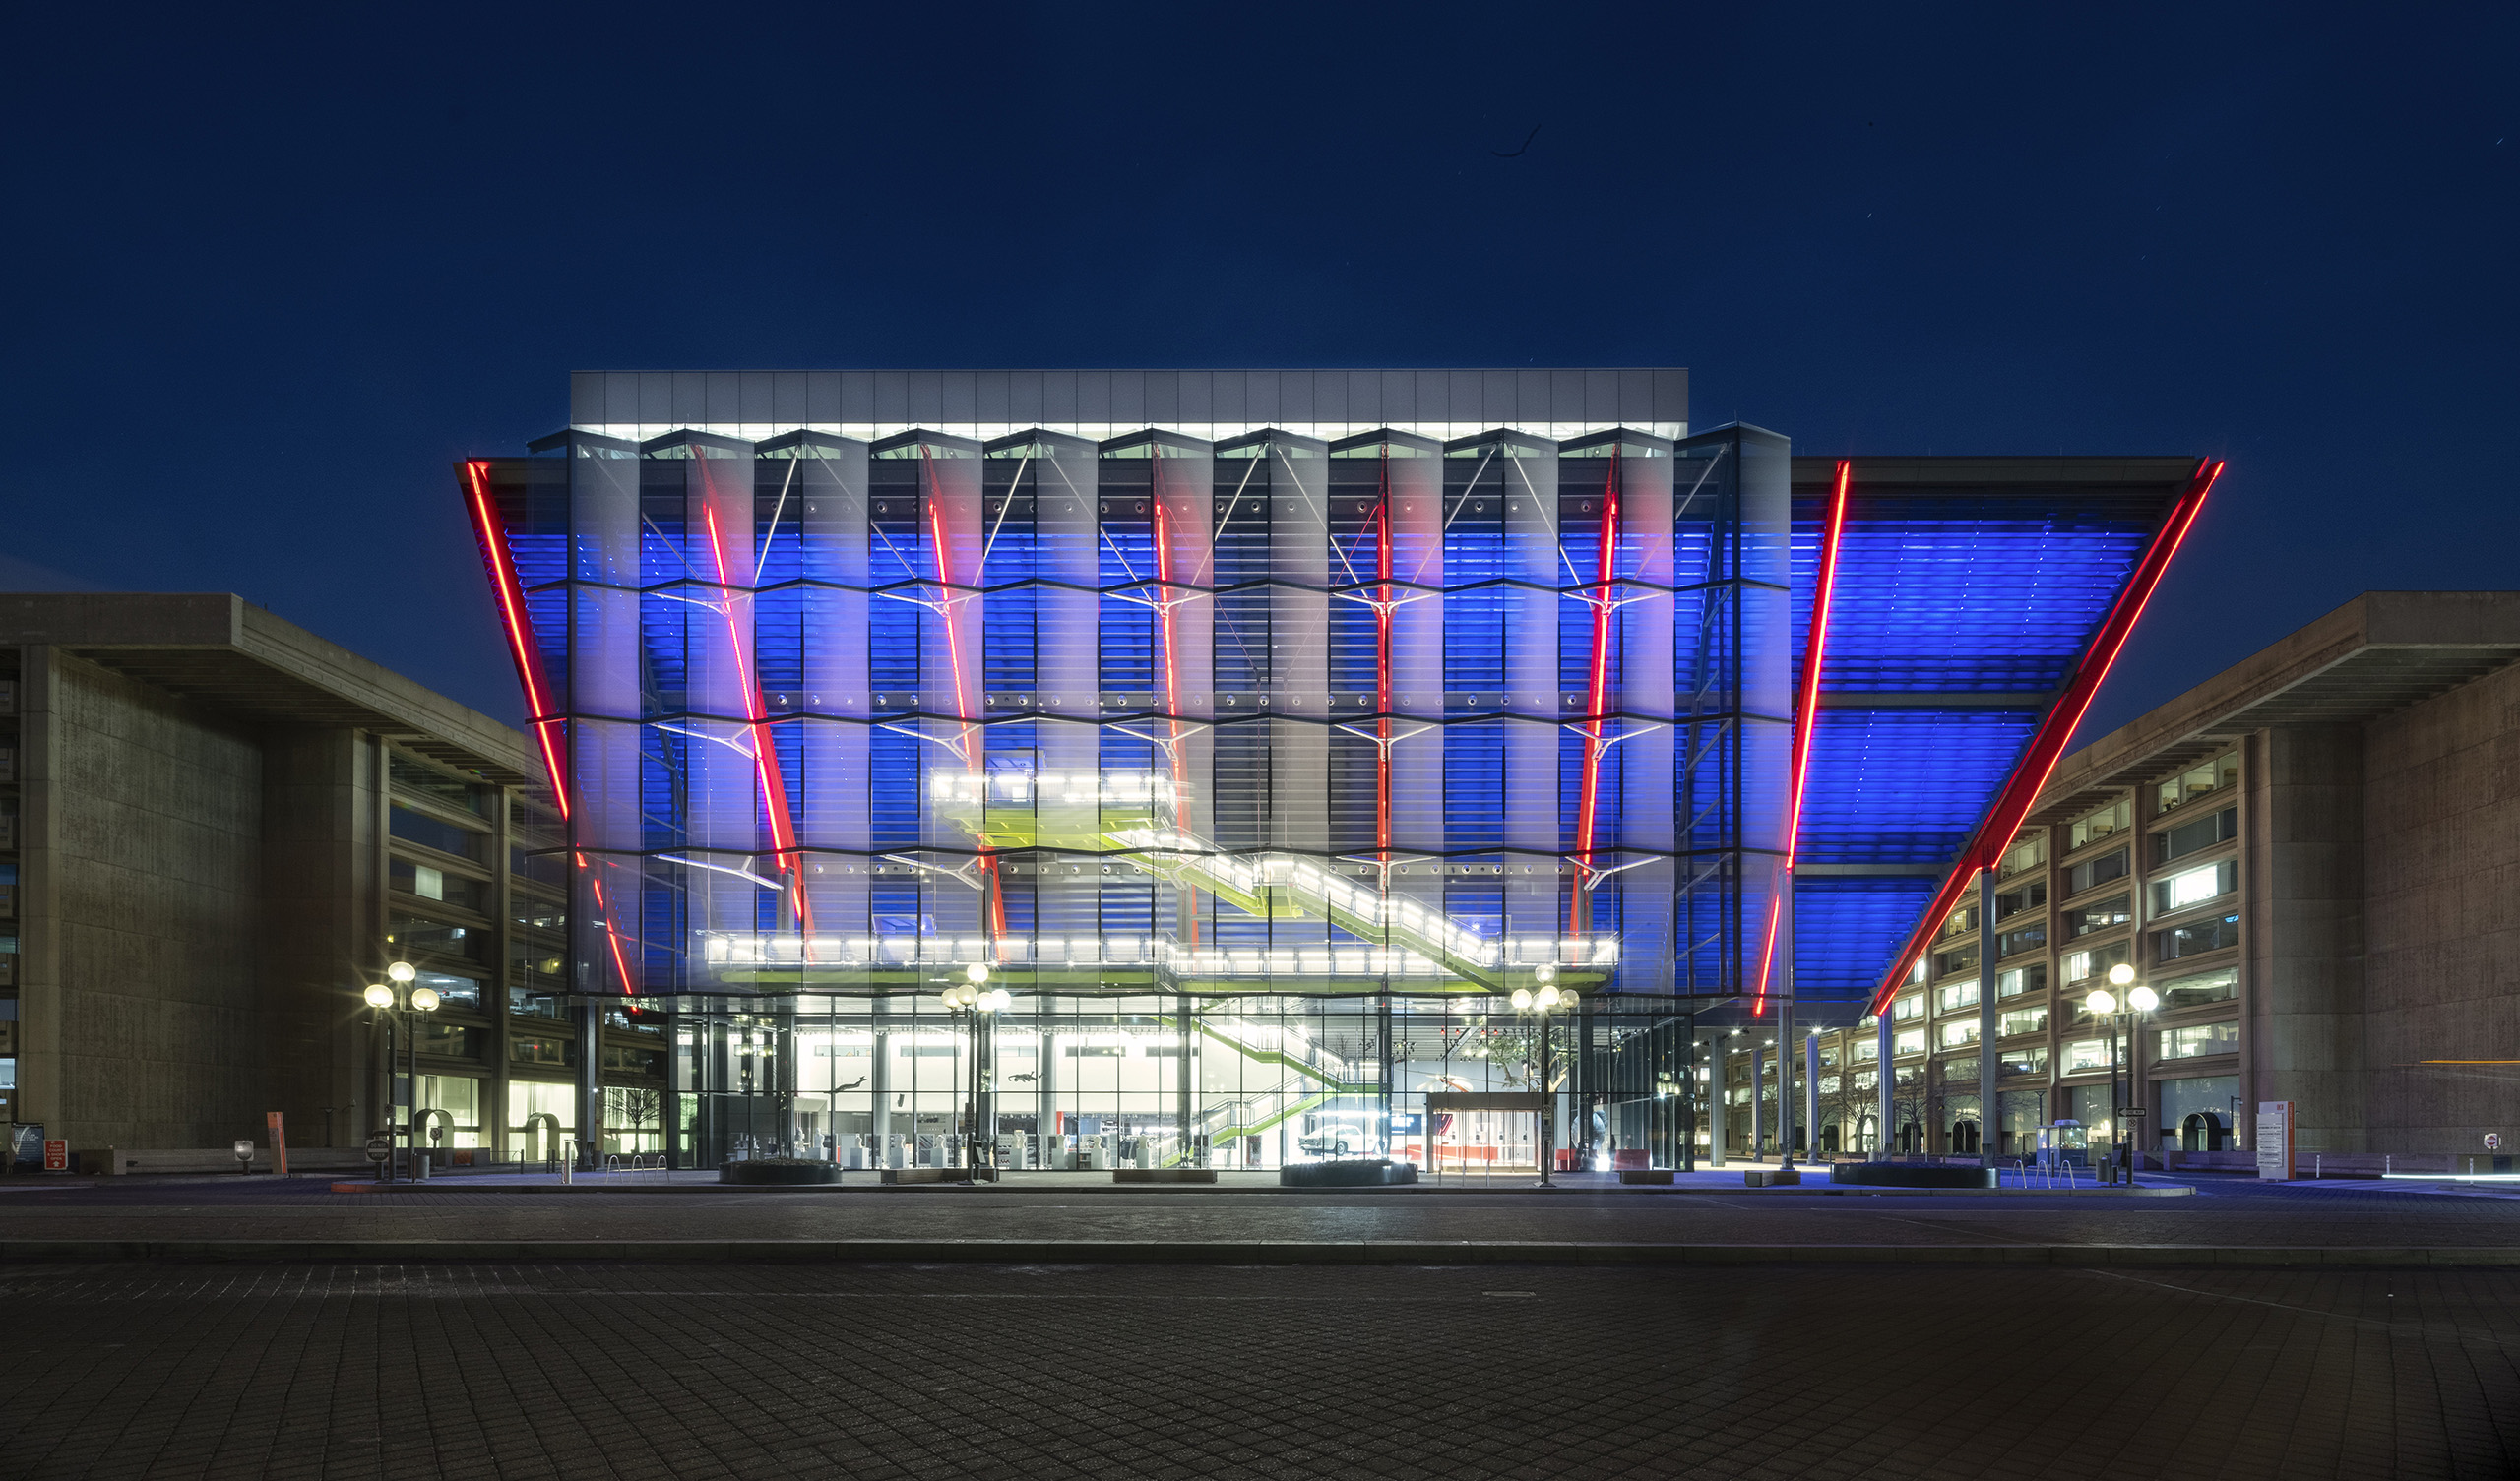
<point x="1976" y="604"/>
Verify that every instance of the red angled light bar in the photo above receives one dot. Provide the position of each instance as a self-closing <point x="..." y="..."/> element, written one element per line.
<point x="2003" y="818"/>
<point x="538" y="685"/>
<point x="1807" y="711"/>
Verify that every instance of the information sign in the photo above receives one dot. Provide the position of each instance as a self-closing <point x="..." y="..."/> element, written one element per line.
<point x="2275" y="1139"/>
<point x="56" y="1154"/>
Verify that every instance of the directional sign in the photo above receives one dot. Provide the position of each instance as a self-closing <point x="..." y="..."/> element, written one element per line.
<point x="380" y="1146"/>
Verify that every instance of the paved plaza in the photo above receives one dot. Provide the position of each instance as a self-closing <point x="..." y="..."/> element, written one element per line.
<point x="635" y="1370"/>
<point x="2223" y="1357"/>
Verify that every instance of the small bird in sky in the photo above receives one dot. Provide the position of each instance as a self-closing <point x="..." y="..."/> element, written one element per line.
<point x="1526" y="143"/>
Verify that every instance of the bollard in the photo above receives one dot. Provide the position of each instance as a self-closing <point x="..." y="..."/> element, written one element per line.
<point x="569" y="1162"/>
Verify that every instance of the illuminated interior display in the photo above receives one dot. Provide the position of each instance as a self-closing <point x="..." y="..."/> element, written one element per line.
<point x="1276" y="713"/>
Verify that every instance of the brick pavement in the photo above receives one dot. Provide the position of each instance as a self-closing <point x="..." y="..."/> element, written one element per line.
<point x="567" y="1371"/>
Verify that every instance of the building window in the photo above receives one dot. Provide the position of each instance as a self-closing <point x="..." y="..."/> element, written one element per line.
<point x="2204" y="987"/>
<point x="523" y="1050"/>
<point x="2023" y="1020"/>
<point x="455" y="991"/>
<point x="535" y="913"/>
<point x="438" y="884"/>
<point x="1908" y="1041"/>
<point x="422" y="779"/>
<point x="1957" y="996"/>
<point x="408" y="934"/>
<point x="1909" y="1006"/>
<point x="527" y="1004"/>
<point x="1960" y="921"/>
<point x="1962" y="1031"/>
<point x="2094" y="826"/>
<point x="2188" y="838"/>
<point x="459" y="1097"/>
<point x="2114" y="912"/>
<point x="2026" y="939"/>
<point x="446" y="1040"/>
<point x="1864" y="1049"/>
<point x="2194" y="887"/>
<point x="2029" y="853"/>
<point x="1960" y="1070"/>
<point x="432" y="832"/>
<point x="2022" y="979"/>
<point x="2204" y="779"/>
<point x="1957" y="960"/>
<point x="2082" y="966"/>
<point x="2029" y="896"/>
<point x="2091" y="874"/>
<point x="2209" y="934"/>
<point x="2200" y="1040"/>
<point x="2029" y="1059"/>
<point x="2086" y="1054"/>
<point x="622" y="1059"/>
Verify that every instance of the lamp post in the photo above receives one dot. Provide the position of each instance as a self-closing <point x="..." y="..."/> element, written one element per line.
<point x="1549" y="1000"/>
<point x="979" y="1002"/>
<point x="395" y="1005"/>
<point x="2104" y="1004"/>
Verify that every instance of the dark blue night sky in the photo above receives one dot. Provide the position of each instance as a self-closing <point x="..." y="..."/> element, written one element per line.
<point x="270" y="273"/>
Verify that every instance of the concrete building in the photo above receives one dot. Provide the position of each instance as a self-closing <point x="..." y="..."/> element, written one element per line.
<point x="218" y="828"/>
<point x="2313" y="858"/>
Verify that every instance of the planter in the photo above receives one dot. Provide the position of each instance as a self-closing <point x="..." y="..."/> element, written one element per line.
<point x="779" y="1174"/>
<point x="1661" y="1175"/>
<point x="937" y="1175"/>
<point x="1163" y="1175"/>
<point x="1374" y="1172"/>
<point x="1911" y="1175"/>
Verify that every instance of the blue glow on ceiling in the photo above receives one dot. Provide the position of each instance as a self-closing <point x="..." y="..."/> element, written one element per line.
<point x="1896" y="786"/>
<point x="1845" y="929"/>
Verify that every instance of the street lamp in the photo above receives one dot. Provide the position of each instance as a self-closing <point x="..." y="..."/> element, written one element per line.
<point x="1549" y="1000"/>
<point x="394" y="1005"/>
<point x="974" y="997"/>
<point x="2104" y="1004"/>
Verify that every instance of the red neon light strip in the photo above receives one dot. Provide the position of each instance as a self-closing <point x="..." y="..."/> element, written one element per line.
<point x="1807" y="711"/>
<point x="1172" y="684"/>
<point x="954" y="658"/>
<point x="765" y="750"/>
<point x="2012" y="804"/>
<point x="1596" y="695"/>
<point x="537" y="688"/>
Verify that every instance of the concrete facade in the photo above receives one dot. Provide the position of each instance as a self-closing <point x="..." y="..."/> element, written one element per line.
<point x="201" y="797"/>
<point x="2371" y="766"/>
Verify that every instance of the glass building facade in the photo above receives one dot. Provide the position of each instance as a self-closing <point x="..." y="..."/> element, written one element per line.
<point x="1259" y="736"/>
<point x="1244" y="764"/>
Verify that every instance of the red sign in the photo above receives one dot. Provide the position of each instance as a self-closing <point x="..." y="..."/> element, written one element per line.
<point x="56" y="1156"/>
<point x="279" y="1143"/>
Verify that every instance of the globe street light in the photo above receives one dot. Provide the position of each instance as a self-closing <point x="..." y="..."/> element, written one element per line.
<point x="2138" y="1001"/>
<point x="1549" y="1000"/>
<point x="394" y="1009"/>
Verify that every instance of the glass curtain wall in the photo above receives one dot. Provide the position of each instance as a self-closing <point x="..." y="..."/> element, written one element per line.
<point x="1151" y="730"/>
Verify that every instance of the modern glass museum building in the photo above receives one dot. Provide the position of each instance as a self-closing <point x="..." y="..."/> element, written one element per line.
<point x="1084" y="769"/>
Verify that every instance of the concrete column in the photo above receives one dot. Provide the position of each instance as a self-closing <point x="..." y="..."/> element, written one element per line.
<point x="1720" y="1108"/>
<point x="1883" y="1130"/>
<point x="1785" y="1082"/>
<point x="2302" y="936"/>
<point x="1811" y="1089"/>
<point x="1758" y="1101"/>
<point x="1990" y="1137"/>
<point x="41" y="1000"/>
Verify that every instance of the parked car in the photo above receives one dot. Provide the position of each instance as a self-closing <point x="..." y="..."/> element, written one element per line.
<point x="1331" y="1141"/>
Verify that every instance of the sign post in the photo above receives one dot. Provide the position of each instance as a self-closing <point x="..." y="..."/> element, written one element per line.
<point x="279" y="1143"/>
<point x="2275" y="1139"/>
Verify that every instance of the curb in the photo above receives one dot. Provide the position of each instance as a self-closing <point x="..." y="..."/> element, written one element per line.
<point x="1176" y="1189"/>
<point x="1247" y="1252"/>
